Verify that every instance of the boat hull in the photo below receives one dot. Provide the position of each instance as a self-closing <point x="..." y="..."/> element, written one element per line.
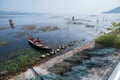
<point x="38" y="46"/>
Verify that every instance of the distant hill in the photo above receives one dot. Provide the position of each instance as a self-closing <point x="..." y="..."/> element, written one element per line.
<point x="14" y="13"/>
<point x="115" y="10"/>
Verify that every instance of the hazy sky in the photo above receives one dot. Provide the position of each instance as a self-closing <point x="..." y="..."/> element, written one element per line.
<point x="59" y="6"/>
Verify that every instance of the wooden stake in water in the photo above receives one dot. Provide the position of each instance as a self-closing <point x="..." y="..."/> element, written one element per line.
<point x="97" y="21"/>
<point x="11" y="23"/>
<point x="73" y="18"/>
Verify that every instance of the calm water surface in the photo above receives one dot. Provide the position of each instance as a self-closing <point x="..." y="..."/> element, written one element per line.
<point x="67" y="32"/>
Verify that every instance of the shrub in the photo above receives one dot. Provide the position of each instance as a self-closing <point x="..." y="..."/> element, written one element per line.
<point x="109" y="40"/>
<point x="19" y="61"/>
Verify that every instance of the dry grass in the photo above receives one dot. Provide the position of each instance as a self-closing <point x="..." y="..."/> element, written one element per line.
<point x="19" y="34"/>
<point x="3" y="28"/>
<point x="28" y="27"/>
<point x="48" y="28"/>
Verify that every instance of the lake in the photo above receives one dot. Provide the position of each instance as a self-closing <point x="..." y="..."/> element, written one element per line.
<point x="62" y="29"/>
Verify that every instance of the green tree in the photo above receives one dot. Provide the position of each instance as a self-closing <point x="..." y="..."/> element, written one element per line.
<point x="111" y="39"/>
<point x="115" y="28"/>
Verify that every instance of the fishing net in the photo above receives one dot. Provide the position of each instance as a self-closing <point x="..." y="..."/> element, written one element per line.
<point x="77" y="72"/>
<point x="101" y="52"/>
<point x="74" y="75"/>
<point x="79" y="68"/>
<point x="50" y="76"/>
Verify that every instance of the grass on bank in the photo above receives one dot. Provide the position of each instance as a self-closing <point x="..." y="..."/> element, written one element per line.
<point x="21" y="60"/>
<point x="111" y="39"/>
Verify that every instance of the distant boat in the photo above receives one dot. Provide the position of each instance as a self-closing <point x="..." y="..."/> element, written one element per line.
<point x="37" y="44"/>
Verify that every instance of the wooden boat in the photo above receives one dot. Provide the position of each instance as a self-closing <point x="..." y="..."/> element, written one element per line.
<point x="37" y="45"/>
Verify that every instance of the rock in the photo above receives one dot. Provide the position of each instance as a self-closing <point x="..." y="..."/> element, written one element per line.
<point x="3" y="72"/>
<point x="55" y="51"/>
<point x="52" y="52"/>
<point x="63" y="47"/>
<point x="43" y="56"/>
<point x="47" y="54"/>
<point x="59" y="47"/>
<point x="58" y="50"/>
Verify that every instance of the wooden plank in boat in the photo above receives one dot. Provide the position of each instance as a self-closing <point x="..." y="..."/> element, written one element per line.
<point x="40" y="45"/>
